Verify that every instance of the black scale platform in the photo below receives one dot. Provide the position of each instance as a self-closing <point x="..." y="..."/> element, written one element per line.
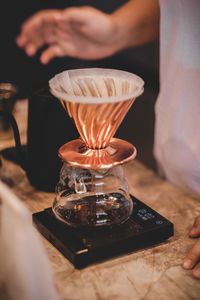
<point x="145" y="228"/>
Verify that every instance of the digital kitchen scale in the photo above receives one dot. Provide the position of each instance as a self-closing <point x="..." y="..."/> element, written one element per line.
<point x="83" y="247"/>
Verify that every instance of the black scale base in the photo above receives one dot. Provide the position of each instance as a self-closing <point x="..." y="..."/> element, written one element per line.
<point x="145" y="228"/>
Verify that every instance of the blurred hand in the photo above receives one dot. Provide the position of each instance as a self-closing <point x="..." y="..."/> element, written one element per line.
<point x="192" y="259"/>
<point x="81" y="32"/>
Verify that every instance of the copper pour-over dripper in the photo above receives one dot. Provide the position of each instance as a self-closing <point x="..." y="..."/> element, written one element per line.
<point x="92" y="190"/>
<point x="97" y="100"/>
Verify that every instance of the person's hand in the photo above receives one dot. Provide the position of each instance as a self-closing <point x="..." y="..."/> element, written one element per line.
<point x="192" y="259"/>
<point x="81" y="32"/>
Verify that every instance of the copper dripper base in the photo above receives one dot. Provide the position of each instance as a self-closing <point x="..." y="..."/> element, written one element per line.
<point x="75" y="153"/>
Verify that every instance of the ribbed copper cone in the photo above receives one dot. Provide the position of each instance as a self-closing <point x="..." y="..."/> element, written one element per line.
<point x="97" y="100"/>
<point x="97" y="122"/>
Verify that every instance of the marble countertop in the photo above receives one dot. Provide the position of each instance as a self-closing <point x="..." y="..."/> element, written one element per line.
<point x="154" y="273"/>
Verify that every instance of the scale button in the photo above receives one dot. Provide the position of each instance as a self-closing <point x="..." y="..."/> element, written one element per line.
<point x="159" y="222"/>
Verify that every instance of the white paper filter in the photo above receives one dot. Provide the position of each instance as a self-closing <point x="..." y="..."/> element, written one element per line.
<point x="96" y="85"/>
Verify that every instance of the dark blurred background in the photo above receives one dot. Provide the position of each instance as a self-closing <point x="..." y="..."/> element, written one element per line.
<point x="29" y="74"/>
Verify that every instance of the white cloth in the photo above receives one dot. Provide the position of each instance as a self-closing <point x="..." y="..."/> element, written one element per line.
<point x="177" y="128"/>
<point x="25" y="272"/>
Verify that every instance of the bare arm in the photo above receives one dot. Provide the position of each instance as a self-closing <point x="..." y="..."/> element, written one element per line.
<point x="88" y="33"/>
<point x="137" y="22"/>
